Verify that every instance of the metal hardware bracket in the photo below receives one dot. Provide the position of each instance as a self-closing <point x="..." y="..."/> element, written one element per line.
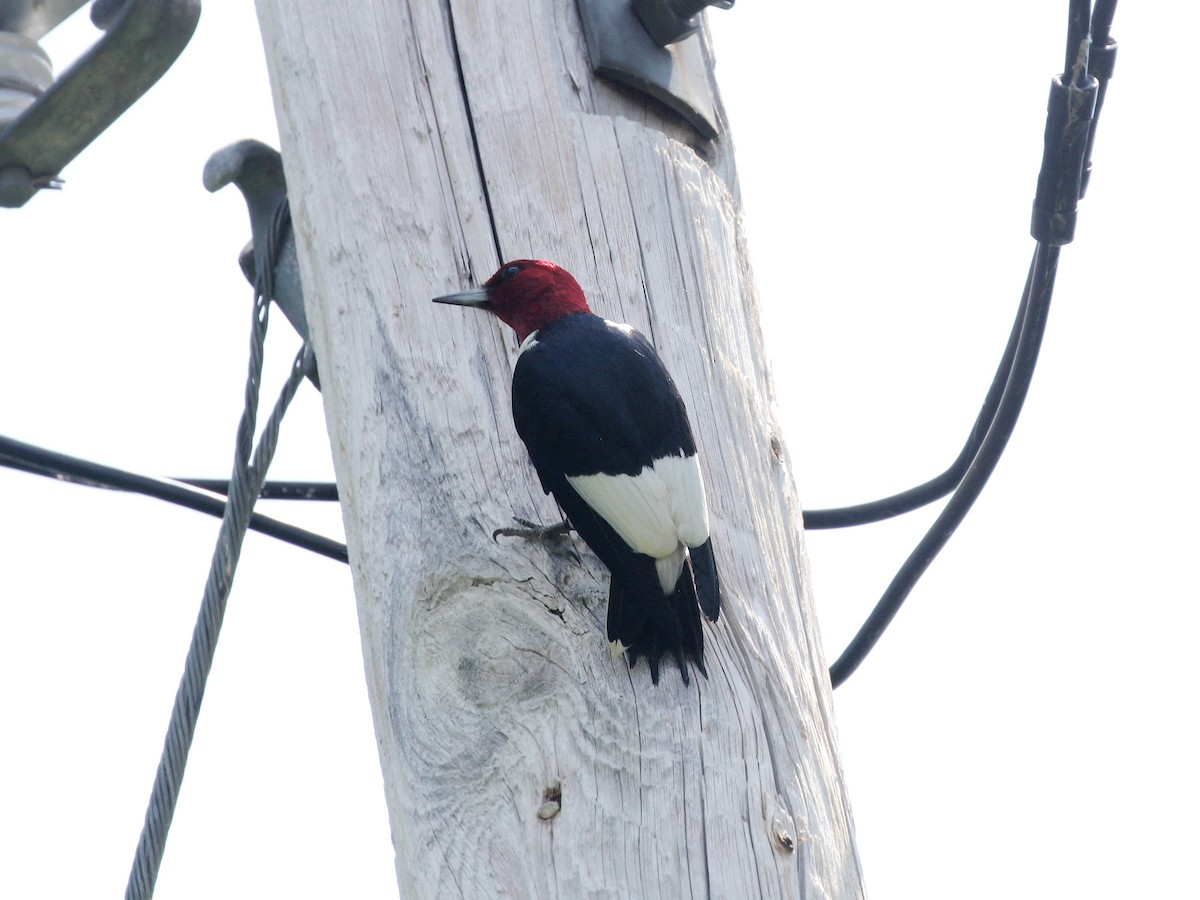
<point x="34" y="18"/>
<point x="143" y="41"/>
<point x="621" y="49"/>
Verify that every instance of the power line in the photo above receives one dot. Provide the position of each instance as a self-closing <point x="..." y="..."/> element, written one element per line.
<point x="71" y="469"/>
<point x="274" y="490"/>
<point x="1075" y="100"/>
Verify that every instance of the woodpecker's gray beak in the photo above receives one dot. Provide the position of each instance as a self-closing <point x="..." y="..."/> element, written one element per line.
<point x="477" y="298"/>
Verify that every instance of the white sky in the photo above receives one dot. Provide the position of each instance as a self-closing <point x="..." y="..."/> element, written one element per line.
<point x="1027" y="726"/>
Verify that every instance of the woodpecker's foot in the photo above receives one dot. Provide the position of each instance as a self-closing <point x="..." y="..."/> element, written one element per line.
<point x="553" y="536"/>
<point x="532" y="531"/>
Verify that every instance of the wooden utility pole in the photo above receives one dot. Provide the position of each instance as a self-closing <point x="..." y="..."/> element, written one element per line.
<point x="424" y="142"/>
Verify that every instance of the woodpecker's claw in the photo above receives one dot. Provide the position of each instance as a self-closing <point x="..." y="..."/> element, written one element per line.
<point x="532" y="531"/>
<point x="551" y="535"/>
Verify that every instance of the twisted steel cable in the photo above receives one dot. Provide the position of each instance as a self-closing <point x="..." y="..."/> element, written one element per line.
<point x="245" y="483"/>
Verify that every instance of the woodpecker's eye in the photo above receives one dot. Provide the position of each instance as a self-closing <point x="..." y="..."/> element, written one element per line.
<point x="509" y="272"/>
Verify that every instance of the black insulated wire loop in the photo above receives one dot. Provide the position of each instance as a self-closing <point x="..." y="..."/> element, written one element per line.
<point x="1033" y="329"/>
<point x="936" y="488"/>
<point x="1076" y="98"/>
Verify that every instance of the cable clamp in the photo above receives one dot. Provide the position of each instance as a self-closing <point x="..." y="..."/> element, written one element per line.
<point x="1069" y="116"/>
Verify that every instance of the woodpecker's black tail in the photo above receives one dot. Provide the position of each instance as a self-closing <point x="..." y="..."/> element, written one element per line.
<point x="639" y="617"/>
<point x="708" y="584"/>
<point x="648" y="624"/>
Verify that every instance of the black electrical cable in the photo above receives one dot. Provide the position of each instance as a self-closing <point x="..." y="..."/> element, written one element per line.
<point x="1101" y="63"/>
<point x="273" y="490"/>
<point x="1070" y="122"/>
<point x="981" y="468"/>
<point x="320" y="491"/>
<point x="39" y="461"/>
<point x="935" y="488"/>
<point x="1102" y="19"/>
<point x="1079" y="24"/>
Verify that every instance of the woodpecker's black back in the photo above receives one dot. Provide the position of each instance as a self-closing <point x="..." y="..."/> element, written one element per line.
<point x="591" y="397"/>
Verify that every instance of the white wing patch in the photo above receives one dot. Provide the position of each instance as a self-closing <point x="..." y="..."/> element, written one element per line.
<point x="636" y="506"/>
<point x="661" y="511"/>
<point x="685" y="488"/>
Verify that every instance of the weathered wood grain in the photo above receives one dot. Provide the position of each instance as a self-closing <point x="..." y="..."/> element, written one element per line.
<point x="423" y="141"/>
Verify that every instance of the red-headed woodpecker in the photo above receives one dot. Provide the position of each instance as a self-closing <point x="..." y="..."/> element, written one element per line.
<point x="609" y="436"/>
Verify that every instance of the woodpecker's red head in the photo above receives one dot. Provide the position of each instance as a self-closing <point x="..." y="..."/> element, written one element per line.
<point x="525" y="294"/>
